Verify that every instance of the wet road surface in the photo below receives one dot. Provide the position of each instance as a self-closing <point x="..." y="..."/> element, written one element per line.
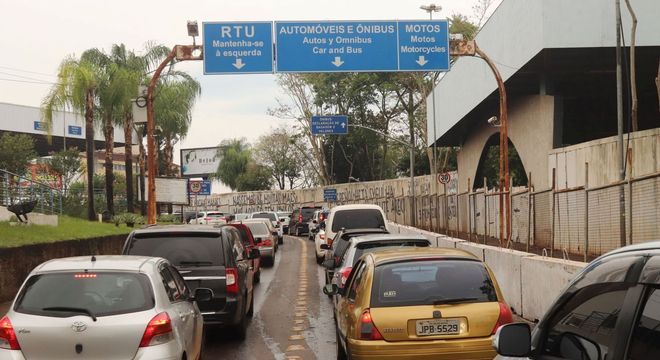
<point x="292" y="317"/>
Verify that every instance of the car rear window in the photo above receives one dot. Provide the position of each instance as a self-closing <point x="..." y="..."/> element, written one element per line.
<point x="101" y="293"/>
<point x="357" y="219"/>
<point x="425" y="282"/>
<point x="368" y="247"/>
<point x="215" y="214"/>
<point x="258" y="229"/>
<point x="268" y="216"/>
<point x="308" y="213"/>
<point x="181" y="249"/>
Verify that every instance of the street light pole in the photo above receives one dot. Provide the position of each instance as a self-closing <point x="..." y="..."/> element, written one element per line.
<point x="431" y="9"/>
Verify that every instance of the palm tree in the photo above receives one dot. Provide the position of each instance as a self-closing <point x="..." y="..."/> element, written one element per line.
<point x="173" y="103"/>
<point x="137" y="67"/>
<point x="77" y="86"/>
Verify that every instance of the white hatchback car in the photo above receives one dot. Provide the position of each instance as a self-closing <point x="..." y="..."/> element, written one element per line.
<point x="104" y="307"/>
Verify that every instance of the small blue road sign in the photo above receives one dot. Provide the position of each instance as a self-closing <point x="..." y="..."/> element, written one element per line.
<point x="40" y="126"/>
<point x="199" y="187"/>
<point x="330" y="125"/>
<point x="238" y="47"/>
<point x="336" y="46"/>
<point x="75" y="130"/>
<point x="330" y="194"/>
<point x="423" y="45"/>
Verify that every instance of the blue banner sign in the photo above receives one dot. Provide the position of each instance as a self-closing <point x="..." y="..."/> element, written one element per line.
<point x="75" y="130"/>
<point x="40" y="126"/>
<point x="238" y="47"/>
<point x="354" y="46"/>
<point x="330" y="125"/>
<point x="330" y="194"/>
<point x="199" y="187"/>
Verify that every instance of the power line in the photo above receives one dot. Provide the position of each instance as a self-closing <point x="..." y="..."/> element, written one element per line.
<point x="21" y="76"/>
<point x="27" y="81"/>
<point x="26" y="71"/>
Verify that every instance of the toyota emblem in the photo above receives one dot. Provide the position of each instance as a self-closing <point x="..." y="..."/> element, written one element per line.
<point x="79" y="326"/>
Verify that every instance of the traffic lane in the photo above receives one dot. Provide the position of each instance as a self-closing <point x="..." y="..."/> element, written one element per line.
<point x="292" y="318"/>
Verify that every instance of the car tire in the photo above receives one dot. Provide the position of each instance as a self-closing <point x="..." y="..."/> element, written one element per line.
<point x="240" y="330"/>
<point x="250" y="312"/>
<point x="280" y="240"/>
<point x="297" y="231"/>
<point x="319" y="259"/>
<point x="341" y="353"/>
<point x="257" y="276"/>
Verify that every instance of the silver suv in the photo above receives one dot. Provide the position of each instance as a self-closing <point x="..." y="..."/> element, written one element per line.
<point x="119" y="307"/>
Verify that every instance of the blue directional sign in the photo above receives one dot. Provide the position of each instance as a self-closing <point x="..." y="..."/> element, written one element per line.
<point x="330" y="125"/>
<point x="350" y="46"/>
<point x="423" y="45"/>
<point x="238" y="47"/>
<point x="330" y="194"/>
<point x="336" y="46"/>
<point x="40" y="126"/>
<point x="199" y="187"/>
<point x="75" y="130"/>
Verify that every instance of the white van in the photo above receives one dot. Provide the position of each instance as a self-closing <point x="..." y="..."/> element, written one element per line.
<point x="359" y="216"/>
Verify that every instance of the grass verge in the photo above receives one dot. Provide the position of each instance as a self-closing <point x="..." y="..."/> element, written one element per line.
<point x="68" y="229"/>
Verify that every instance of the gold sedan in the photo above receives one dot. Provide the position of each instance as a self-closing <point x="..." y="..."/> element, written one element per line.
<point x="419" y="304"/>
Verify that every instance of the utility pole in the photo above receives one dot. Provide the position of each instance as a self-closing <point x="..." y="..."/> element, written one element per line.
<point x="619" y="117"/>
<point x="431" y="9"/>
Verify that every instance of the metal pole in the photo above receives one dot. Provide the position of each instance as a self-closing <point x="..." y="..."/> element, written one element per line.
<point x="485" y="210"/>
<point x="552" y="232"/>
<point x="151" y="142"/>
<point x="505" y="205"/>
<point x="586" y="211"/>
<point x="529" y="210"/>
<point x="619" y="116"/>
<point x="64" y="126"/>
<point x="412" y="182"/>
<point x="468" y="212"/>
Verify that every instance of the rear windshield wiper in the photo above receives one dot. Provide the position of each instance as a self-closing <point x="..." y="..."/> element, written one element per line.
<point x="454" y="300"/>
<point x="195" y="263"/>
<point x="71" y="309"/>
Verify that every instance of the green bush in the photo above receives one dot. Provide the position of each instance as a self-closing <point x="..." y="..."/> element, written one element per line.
<point x="167" y="218"/>
<point x="129" y="219"/>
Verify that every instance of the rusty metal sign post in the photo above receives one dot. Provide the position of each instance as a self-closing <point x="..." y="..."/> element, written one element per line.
<point x="470" y="48"/>
<point x="180" y="53"/>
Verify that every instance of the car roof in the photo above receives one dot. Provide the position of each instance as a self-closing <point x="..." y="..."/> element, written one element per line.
<point x="356" y="207"/>
<point x="177" y="228"/>
<point x="413" y="253"/>
<point x="362" y="231"/>
<point x="643" y="247"/>
<point x="102" y="262"/>
<point x="388" y="237"/>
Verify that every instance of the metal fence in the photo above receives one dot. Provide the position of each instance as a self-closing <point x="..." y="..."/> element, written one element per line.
<point x="578" y="224"/>
<point x="15" y="189"/>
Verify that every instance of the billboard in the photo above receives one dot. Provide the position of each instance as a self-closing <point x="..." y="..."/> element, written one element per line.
<point x="170" y="191"/>
<point x="199" y="162"/>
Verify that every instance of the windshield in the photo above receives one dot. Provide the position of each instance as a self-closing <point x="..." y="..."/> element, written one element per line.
<point x="357" y="219"/>
<point x="180" y="249"/>
<point x="369" y="247"/>
<point x="258" y="229"/>
<point x="425" y="282"/>
<point x="283" y="214"/>
<point x="269" y="216"/>
<point x="98" y="294"/>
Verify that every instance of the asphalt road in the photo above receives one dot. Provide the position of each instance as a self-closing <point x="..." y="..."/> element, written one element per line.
<point x="292" y="317"/>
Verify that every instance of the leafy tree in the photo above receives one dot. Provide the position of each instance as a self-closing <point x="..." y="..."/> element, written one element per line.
<point x="461" y="24"/>
<point x="173" y="104"/>
<point x="255" y="177"/>
<point x="66" y="164"/>
<point x="235" y="159"/>
<point x="277" y="152"/>
<point x="16" y="151"/>
<point x="77" y="86"/>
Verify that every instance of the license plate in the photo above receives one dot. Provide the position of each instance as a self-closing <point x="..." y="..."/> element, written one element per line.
<point x="438" y="327"/>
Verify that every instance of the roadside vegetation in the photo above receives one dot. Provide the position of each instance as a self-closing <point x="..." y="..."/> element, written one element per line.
<point x="69" y="228"/>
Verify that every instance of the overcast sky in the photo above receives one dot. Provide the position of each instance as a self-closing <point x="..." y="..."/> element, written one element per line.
<point x="38" y="34"/>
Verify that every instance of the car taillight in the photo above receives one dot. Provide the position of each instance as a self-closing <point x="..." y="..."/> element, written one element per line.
<point x="208" y="218"/>
<point x="232" y="280"/>
<point x="300" y="218"/>
<point x="505" y="317"/>
<point x="158" y="331"/>
<point x="8" y="338"/>
<point x="321" y="217"/>
<point x="368" y="330"/>
<point x="344" y="275"/>
<point x="322" y="236"/>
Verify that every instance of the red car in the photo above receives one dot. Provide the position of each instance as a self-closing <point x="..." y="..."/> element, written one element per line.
<point x="248" y="241"/>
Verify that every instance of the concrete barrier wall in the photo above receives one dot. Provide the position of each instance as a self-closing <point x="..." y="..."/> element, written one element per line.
<point x="529" y="283"/>
<point x="16" y="263"/>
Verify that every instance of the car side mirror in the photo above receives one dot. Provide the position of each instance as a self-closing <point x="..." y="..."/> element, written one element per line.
<point x="325" y="247"/>
<point x="202" y="295"/>
<point x="573" y="344"/>
<point x="329" y="264"/>
<point x="513" y="340"/>
<point x="331" y="289"/>
<point x="254" y="254"/>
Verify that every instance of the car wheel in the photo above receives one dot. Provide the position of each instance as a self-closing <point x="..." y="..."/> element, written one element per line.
<point x="319" y="259"/>
<point x="341" y="353"/>
<point x="257" y="276"/>
<point x="240" y="329"/>
<point x="250" y="312"/>
<point x="280" y="240"/>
